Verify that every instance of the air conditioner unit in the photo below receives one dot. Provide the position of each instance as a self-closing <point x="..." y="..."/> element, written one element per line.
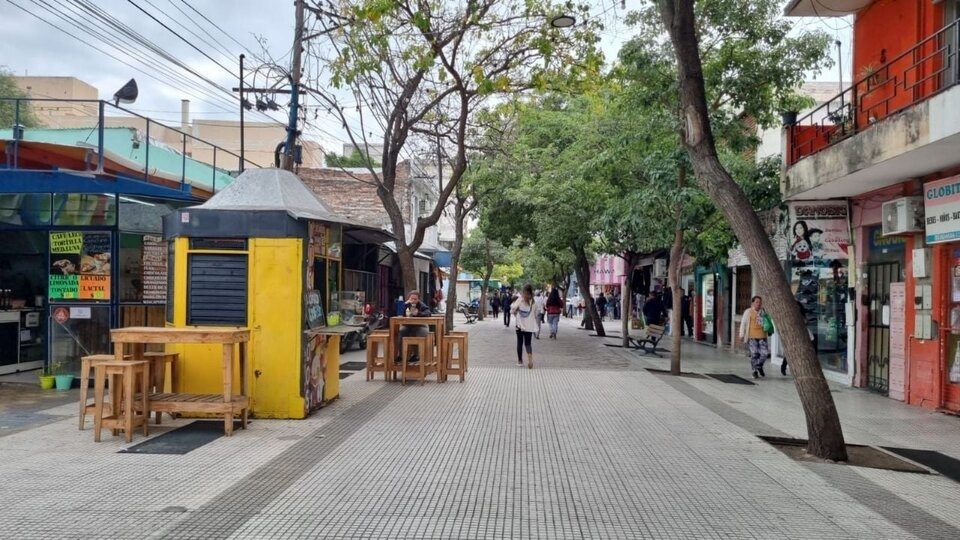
<point x="903" y="216"/>
<point x="660" y="268"/>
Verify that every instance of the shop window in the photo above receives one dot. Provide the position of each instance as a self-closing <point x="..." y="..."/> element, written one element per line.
<point x="26" y="209"/>
<point x="84" y="209"/>
<point x="744" y="289"/>
<point x="76" y="332"/>
<point x="216" y="289"/>
<point x="23" y="265"/>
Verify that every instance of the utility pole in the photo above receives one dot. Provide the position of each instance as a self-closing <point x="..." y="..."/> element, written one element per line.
<point x="241" y="113"/>
<point x="288" y="151"/>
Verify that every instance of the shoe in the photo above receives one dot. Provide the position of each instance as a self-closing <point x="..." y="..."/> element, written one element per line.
<point x="530" y="364"/>
<point x="415" y="359"/>
<point x="783" y="369"/>
<point x="760" y="369"/>
<point x="519" y="363"/>
<point x="755" y="376"/>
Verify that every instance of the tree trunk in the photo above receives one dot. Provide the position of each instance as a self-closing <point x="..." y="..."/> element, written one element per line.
<point x="592" y="317"/>
<point x="673" y="278"/>
<point x="482" y="312"/>
<point x="455" y="264"/>
<point x="824" y="433"/>
<point x="408" y="272"/>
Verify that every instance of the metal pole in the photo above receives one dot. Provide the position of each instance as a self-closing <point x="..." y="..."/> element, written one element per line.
<point x="213" y="190"/>
<point x="17" y="134"/>
<point x="183" y="169"/>
<point x="294" y="89"/>
<point x="101" y="114"/>
<point x="241" y="111"/>
<point x="146" y="166"/>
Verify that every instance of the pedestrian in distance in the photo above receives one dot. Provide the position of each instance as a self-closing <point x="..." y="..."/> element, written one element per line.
<point x="554" y="308"/>
<point x="653" y="310"/>
<point x="541" y="301"/>
<point x="525" y="309"/>
<point x="755" y="336"/>
<point x="495" y="304"/>
<point x="686" y="317"/>
<point x="505" y="302"/>
<point x="602" y="306"/>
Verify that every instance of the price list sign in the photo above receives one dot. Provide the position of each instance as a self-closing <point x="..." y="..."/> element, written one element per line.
<point x="80" y="265"/>
<point x="154" y="270"/>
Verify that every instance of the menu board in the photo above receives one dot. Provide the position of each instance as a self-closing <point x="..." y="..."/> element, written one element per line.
<point x="79" y="266"/>
<point x="154" y="270"/>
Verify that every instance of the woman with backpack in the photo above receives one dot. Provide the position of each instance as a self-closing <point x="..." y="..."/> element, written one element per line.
<point x="753" y="331"/>
<point x="554" y="309"/>
<point x="526" y="313"/>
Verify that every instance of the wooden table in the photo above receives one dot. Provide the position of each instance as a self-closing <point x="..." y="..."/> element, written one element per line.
<point x="228" y="403"/>
<point x="434" y="320"/>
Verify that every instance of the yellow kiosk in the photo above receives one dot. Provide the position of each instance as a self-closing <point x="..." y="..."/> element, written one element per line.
<point x="263" y="254"/>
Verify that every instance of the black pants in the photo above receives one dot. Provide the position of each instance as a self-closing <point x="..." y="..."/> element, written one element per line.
<point x="524" y="339"/>
<point x="506" y="317"/>
<point x="686" y="321"/>
<point x="412" y="331"/>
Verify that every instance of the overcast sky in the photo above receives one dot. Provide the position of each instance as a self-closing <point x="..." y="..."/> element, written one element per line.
<point x="32" y="46"/>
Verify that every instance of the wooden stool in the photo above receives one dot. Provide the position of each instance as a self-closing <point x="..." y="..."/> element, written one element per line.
<point x="427" y="362"/>
<point x="455" y="364"/>
<point x="377" y="360"/>
<point x="466" y="347"/>
<point x="123" y="377"/>
<point x="158" y="373"/>
<point x="86" y="363"/>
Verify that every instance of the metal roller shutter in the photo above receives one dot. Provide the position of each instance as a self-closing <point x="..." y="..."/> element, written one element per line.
<point x="217" y="289"/>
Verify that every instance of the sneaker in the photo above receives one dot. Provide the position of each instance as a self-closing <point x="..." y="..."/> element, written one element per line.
<point x="519" y="363"/>
<point x="760" y="369"/>
<point x="755" y="376"/>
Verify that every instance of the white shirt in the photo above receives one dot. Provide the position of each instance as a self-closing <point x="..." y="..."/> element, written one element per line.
<point x="528" y="323"/>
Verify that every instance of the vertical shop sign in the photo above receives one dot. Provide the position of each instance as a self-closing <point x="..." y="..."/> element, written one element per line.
<point x="79" y="266"/>
<point x="154" y="270"/>
<point x="898" y="340"/>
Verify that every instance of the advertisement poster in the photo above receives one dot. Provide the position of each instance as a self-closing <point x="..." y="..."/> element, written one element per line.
<point x="819" y="232"/>
<point x="154" y="270"/>
<point x="79" y="266"/>
<point x="941" y="206"/>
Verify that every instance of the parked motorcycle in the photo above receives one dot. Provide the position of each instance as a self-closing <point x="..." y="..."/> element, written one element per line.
<point x="359" y="335"/>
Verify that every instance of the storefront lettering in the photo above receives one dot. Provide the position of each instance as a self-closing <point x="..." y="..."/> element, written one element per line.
<point x="68" y="242"/>
<point x="947" y="190"/>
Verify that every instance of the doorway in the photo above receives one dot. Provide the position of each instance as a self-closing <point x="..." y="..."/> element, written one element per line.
<point x="879" y="277"/>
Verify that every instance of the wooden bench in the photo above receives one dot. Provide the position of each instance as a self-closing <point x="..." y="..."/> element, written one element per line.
<point x="170" y="402"/>
<point x="648" y="344"/>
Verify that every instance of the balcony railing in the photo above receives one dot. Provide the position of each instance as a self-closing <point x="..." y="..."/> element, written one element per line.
<point x="155" y="150"/>
<point x="927" y="69"/>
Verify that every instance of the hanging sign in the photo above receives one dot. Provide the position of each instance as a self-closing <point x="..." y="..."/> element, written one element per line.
<point x="79" y="266"/>
<point x="819" y="232"/>
<point x="941" y="206"/>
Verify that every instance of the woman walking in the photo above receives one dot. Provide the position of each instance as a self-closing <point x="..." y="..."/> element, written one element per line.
<point x="525" y="310"/>
<point x="753" y="334"/>
<point x="554" y="309"/>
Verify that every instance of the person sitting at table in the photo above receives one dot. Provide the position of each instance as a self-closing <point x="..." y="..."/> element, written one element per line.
<point x="413" y="308"/>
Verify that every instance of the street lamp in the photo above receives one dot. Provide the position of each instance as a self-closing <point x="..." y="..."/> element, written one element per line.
<point x="563" y="21"/>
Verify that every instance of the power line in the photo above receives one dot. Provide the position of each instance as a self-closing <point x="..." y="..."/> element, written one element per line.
<point x="91" y="45"/>
<point x="174" y="32"/>
<point x="223" y="49"/>
<point x="224" y="32"/>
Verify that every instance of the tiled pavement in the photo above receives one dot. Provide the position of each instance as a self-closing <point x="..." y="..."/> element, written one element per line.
<point x="586" y="445"/>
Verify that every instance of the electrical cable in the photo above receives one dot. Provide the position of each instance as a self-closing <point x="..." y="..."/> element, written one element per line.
<point x="185" y="40"/>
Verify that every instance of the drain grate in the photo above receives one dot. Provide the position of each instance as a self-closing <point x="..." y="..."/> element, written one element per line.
<point x="353" y="366"/>
<point x="181" y="440"/>
<point x="687" y="374"/>
<point x="729" y="378"/>
<point x="943" y="464"/>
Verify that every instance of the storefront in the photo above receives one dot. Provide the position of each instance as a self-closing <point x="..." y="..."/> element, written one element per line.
<point x="941" y="388"/>
<point x="711" y="298"/>
<point x="76" y="265"/>
<point x="818" y="271"/>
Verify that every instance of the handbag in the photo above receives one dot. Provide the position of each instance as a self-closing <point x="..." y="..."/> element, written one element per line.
<point x="766" y="323"/>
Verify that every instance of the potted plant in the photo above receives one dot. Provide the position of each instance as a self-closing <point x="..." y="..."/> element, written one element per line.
<point x="47" y="379"/>
<point x="64" y="379"/>
<point x="790" y="106"/>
